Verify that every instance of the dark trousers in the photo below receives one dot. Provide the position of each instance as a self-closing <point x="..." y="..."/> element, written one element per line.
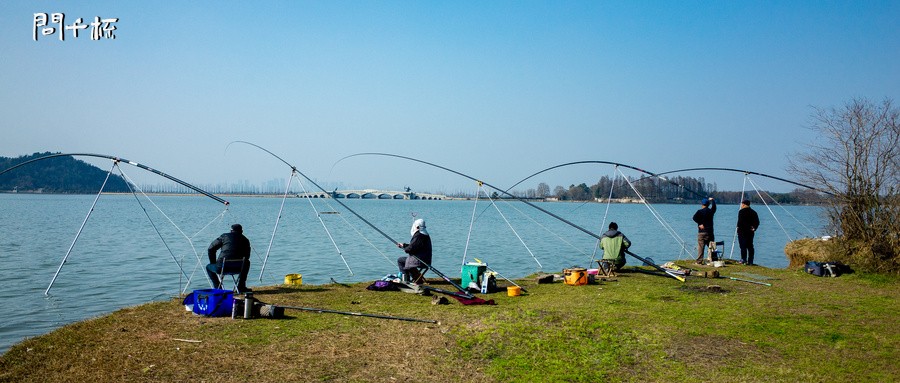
<point x="213" y="270"/>
<point x="745" y="240"/>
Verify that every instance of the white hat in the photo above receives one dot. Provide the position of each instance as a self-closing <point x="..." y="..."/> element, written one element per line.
<point x="418" y="225"/>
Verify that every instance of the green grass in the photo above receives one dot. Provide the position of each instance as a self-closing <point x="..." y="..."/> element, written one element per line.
<point x="639" y="328"/>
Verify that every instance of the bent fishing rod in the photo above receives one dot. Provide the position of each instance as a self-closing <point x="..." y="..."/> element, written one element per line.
<point x="648" y="173"/>
<point x="119" y="159"/>
<point x="393" y="241"/>
<point x="116" y="161"/>
<point x="746" y="172"/>
<point x="317" y="310"/>
<point x="586" y="231"/>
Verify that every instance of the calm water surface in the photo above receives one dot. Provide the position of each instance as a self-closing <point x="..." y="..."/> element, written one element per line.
<point x="124" y="258"/>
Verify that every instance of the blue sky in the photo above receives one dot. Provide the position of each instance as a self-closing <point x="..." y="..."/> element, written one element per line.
<point x="497" y="90"/>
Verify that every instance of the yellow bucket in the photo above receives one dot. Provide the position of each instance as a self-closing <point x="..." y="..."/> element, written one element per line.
<point x="513" y="291"/>
<point x="293" y="279"/>
<point x="576" y="276"/>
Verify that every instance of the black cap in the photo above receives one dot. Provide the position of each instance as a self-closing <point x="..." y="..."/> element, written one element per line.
<point x="237" y="228"/>
<point x="613" y="226"/>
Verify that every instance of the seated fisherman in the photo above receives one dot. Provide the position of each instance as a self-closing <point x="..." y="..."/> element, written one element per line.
<point x="614" y="244"/>
<point x="419" y="246"/>
<point x="233" y="245"/>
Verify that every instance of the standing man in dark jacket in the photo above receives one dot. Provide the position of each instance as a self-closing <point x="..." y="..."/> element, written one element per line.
<point x="420" y="247"/>
<point x="747" y="223"/>
<point x="704" y="220"/>
<point x="233" y="245"/>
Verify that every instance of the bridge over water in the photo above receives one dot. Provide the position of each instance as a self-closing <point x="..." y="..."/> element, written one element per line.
<point x="373" y="194"/>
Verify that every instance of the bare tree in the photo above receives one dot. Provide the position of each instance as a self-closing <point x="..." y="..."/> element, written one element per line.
<point x="543" y="190"/>
<point x="856" y="158"/>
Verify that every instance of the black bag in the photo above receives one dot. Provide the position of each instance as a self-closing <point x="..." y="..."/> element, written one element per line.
<point x="826" y="269"/>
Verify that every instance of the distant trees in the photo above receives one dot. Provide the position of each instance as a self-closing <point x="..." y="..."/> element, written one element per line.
<point x="857" y="159"/>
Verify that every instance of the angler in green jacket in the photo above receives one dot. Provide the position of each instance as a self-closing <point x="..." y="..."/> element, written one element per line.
<point x="614" y="244"/>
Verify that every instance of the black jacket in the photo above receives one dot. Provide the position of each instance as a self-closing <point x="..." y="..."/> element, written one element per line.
<point x="233" y="246"/>
<point x="420" y="246"/>
<point x="704" y="217"/>
<point x="748" y="220"/>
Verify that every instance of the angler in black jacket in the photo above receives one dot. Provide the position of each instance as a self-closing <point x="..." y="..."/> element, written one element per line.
<point x="704" y="220"/>
<point x="418" y="248"/>
<point x="233" y="245"/>
<point x="747" y="223"/>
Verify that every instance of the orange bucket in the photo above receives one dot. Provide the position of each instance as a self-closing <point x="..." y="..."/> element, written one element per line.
<point x="513" y="291"/>
<point x="576" y="276"/>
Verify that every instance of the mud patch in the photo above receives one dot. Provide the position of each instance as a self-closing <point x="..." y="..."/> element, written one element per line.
<point x="701" y="350"/>
<point x="715" y="289"/>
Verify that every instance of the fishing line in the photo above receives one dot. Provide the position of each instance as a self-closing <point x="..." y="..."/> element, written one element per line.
<point x="540" y="267"/>
<point x="392" y="263"/>
<point x="220" y="218"/>
<point x="603" y="223"/>
<point x="588" y="232"/>
<point x="544" y="227"/>
<point x="277" y="220"/>
<point x="655" y="213"/>
<point x="734" y="236"/>
<point x="116" y="161"/>
<point x="770" y="211"/>
<point x="158" y="233"/>
<point x="811" y="233"/>
<point x="319" y="216"/>
<point x="80" y="229"/>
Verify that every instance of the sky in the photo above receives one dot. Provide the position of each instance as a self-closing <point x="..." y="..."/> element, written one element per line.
<point x="495" y="90"/>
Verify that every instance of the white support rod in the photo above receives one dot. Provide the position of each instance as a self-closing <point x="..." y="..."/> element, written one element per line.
<point x="287" y="188"/>
<point x="80" y="229"/>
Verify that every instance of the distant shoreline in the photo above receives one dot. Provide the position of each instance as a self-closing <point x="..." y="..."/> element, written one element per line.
<point x="445" y="198"/>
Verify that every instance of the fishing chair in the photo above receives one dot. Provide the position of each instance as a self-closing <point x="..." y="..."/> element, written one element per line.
<point x="415" y="275"/>
<point x="716" y="251"/>
<point x="606" y="268"/>
<point x="231" y="267"/>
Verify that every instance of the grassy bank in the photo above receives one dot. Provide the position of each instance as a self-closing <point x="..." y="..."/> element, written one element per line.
<point x="639" y="328"/>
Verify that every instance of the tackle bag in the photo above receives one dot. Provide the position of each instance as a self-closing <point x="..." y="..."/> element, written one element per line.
<point x="825" y="269"/>
<point x="210" y="302"/>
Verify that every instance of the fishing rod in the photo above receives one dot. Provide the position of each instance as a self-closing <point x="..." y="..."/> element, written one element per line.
<point x="360" y="314"/>
<point x="294" y="168"/>
<point x="119" y="159"/>
<point x="747" y="280"/>
<point x="744" y="172"/>
<point x="648" y="173"/>
<point x="647" y="262"/>
<point x="586" y="231"/>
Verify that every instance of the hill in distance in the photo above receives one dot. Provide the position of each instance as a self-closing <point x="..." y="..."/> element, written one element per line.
<point x="62" y="175"/>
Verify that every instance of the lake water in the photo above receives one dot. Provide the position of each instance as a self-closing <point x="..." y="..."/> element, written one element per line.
<point x="124" y="258"/>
